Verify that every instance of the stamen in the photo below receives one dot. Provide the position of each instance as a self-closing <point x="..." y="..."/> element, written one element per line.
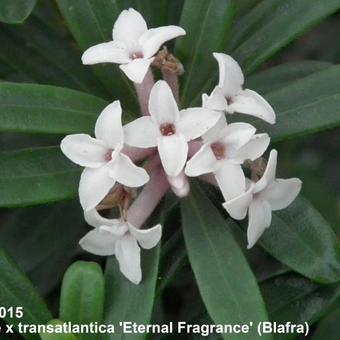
<point x="168" y="129"/>
<point x="136" y="55"/>
<point x="218" y="150"/>
<point x="229" y="100"/>
<point x="108" y="155"/>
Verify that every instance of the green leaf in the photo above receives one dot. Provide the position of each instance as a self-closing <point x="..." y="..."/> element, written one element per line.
<point x="307" y="105"/>
<point x="47" y="109"/>
<point x="300" y="238"/>
<point x="17" y="291"/>
<point x="36" y="176"/>
<point x="127" y="301"/>
<point x="82" y="295"/>
<point x="57" y="336"/>
<point x="15" y="11"/>
<point x="328" y="328"/>
<point x="49" y="237"/>
<point x="207" y="24"/>
<point x="283" y="75"/>
<point x="273" y="24"/>
<point x="296" y="299"/>
<point x="217" y="261"/>
<point x="91" y="23"/>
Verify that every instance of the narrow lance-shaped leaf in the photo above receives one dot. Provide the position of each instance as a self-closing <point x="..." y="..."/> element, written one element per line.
<point x="82" y="296"/>
<point x="226" y="283"/>
<point x="207" y="24"/>
<point x="15" y="11"/>
<point x="57" y="336"/>
<point x="36" y="176"/>
<point x="328" y="328"/>
<point x="35" y="108"/>
<point x="17" y="291"/>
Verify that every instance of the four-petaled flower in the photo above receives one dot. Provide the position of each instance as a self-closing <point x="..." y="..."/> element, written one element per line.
<point x="119" y="238"/>
<point x="229" y="96"/>
<point x="102" y="158"/>
<point x="168" y="128"/>
<point x="261" y="198"/>
<point x="133" y="45"/>
<point x="225" y="148"/>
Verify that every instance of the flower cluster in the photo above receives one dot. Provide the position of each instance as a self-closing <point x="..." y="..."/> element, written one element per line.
<point x="171" y="144"/>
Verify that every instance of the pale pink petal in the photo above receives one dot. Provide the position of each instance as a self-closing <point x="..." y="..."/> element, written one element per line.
<point x="196" y="121"/>
<point x="128" y="255"/>
<point x="162" y="104"/>
<point x="269" y="174"/>
<point x="260" y="217"/>
<point x="147" y="238"/>
<point x="84" y="150"/>
<point x="99" y="242"/>
<point x="231" y="77"/>
<point x="136" y="69"/>
<point x="125" y="172"/>
<point x="230" y="179"/>
<point x="109" y="125"/>
<point x="94" y="185"/>
<point x="108" y="52"/>
<point x="251" y="103"/>
<point x="281" y="193"/>
<point x="154" y="38"/>
<point x="173" y="151"/>
<point x="252" y="150"/>
<point x="142" y="132"/>
<point x="202" y="162"/>
<point x="129" y="26"/>
<point x="237" y="208"/>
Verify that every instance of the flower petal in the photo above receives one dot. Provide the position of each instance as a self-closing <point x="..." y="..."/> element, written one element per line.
<point x="173" y="151"/>
<point x="202" y="162"/>
<point x="251" y="103"/>
<point x="214" y="133"/>
<point x="237" y="134"/>
<point x="94" y="219"/>
<point x="136" y="69"/>
<point x="99" y="242"/>
<point x="125" y="172"/>
<point x="216" y="100"/>
<point x="129" y="26"/>
<point x="109" y="125"/>
<point x="237" y="208"/>
<point x="154" y="38"/>
<point x="94" y="185"/>
<point x="142" y="132"/>
<point x="128" y="255"/>
<point x="147" y="238"/>
<point x="162" y="104"/>
<point x="269" y="174"/>
<point x="231" y="77"/>
<point x="108" y="52"/>
<point x="84" y="150"/>
<point x="281" y="193"/>
<point x="252" y="150"/>
<point x="260" y="217"/>
<point x="230" y="179"/>
<point x="196" y="121"/>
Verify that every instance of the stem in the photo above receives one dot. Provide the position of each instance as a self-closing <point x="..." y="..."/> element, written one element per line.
<point x="172" y="79"/>
<point x="148" y="199"/>
<point x="137" y="154"/>
<point x="143" y="92"/>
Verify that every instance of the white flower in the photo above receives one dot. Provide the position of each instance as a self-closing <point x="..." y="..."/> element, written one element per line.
<point x="261" y="198"/>
<point x="168" y="128"/>
<point x="119" y="238"/>
<point x="230" y="97"/>
<point x="133" y="45"/>
<point x="102" y="158"/>
<point x="225" y="148"/>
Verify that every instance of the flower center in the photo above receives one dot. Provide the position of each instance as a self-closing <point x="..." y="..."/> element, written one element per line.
<point x="108" y="155"/>
<point x="136" y="55"/>
<point x="218" y="150"/>
<point x="168" y="129"/>
<point x="229" y="100"/>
